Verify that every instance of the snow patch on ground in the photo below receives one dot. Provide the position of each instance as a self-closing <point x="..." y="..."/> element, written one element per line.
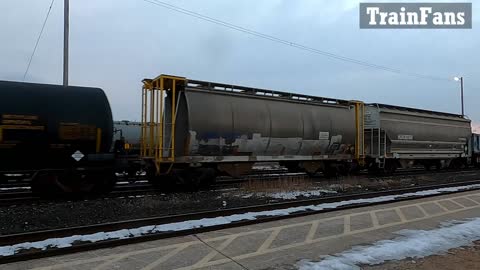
<point x="289" y="195"/>
<point x="266" y="167"/>
<point x="208" y="222"/>
<point x="14" y="188"/>
<point x="410" y="244"/>
<point x="279" y="174"/>
<point x="129" y="183"/>
<point x="227" y="189"/>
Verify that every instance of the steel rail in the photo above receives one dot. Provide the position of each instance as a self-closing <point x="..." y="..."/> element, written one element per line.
<point x="17" y="197"/>
<point x="129" y="224"/>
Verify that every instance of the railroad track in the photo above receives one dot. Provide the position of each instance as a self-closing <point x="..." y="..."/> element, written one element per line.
<point x="122" y="180"/>
<point x="15" y="195"/>
<point x="22" y="195"/>
<point x="261" y="213"/>
<point x="26" y="197"/>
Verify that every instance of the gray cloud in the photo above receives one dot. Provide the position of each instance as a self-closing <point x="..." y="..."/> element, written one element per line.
<point x="115" y="44"/>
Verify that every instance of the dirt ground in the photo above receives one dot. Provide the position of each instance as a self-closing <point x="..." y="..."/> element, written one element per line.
<point x="454" y="259"/>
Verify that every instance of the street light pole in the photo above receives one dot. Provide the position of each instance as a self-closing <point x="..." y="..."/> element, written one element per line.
<point x="66" y="22"/>
<point x="461" y="89"/>
<point x="461" y="92"/>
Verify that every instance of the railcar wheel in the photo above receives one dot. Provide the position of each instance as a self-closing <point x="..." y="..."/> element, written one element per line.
<point x="164" y="183"/>
<point x="456" y="164"/>
<point x="355" y="169"/>
<point x="390" y="167"/>
<point x="427" y="166"/>
<point x="194" y="179"/>
<point x="45" y="184"/>
<point x="3" y="179"/>
<point x="60" y="183"/>
<point x="103" y="181"/>
<point x="330" y="172"/>
<point x="293" y="167"/>
<point x="89" y="182"/>
<point x="344" y="169"/>
<point x="373" y="169"/>
<point x="209" y="177"/>
<point x="435" y="164"/>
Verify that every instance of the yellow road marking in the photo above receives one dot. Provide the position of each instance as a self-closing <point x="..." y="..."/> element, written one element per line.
<point x="346" y="224"/>
<point x="213" y="253"/>
<point x="163" y="258"/>
<point x="266" y="244"/>
<point x="274" y="231"/>
<point x="313" y="230"/>
<point x="374" y="218"/>
<point x="468" y="199"/>
<point x="282" y="248"/>
<point x="441" y="206"/>
<point x="400" y="214"/>
<point x="454" y="202"/>
<point x="420" y="207"/>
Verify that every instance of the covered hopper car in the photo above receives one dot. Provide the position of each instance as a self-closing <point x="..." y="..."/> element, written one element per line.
<point x="200" y="129"/>
<point x="403" y="137"/>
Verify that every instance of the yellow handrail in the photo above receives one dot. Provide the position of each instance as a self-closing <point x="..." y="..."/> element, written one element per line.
<point x="153" y="117"/>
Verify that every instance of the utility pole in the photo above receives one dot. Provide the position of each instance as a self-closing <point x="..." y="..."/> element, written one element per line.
<point x="66" y="25"/>
<point x="461" y="89"/>
<point x="460" y="79"/>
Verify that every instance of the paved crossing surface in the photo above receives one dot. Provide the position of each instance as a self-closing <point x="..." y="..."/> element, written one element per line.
<point x="273" y="245"/>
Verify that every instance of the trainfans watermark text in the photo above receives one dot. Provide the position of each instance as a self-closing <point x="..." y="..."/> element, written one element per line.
<point x="416" y="15"/>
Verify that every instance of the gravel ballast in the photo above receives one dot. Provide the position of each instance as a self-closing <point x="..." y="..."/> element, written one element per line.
<point x="61" y="214"/>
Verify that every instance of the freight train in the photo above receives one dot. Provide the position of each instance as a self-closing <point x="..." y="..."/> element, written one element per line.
<point x="191" y="131"/>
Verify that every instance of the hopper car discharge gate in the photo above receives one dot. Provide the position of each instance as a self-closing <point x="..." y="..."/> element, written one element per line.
<point x="161" y="105"/>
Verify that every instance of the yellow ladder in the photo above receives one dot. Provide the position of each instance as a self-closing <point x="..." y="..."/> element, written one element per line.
<point x="154" y="94"/>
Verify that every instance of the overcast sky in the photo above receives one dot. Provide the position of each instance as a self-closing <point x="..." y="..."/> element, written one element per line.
<point x="115" y="44"/>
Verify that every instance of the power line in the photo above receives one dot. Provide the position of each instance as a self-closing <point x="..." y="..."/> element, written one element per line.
<point x="38" y="40"/>
<point x="290" y="43"/>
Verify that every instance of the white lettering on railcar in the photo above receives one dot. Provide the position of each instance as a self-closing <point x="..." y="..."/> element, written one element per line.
<point x="405" y="137"/>
<point x="323" y="135"/>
